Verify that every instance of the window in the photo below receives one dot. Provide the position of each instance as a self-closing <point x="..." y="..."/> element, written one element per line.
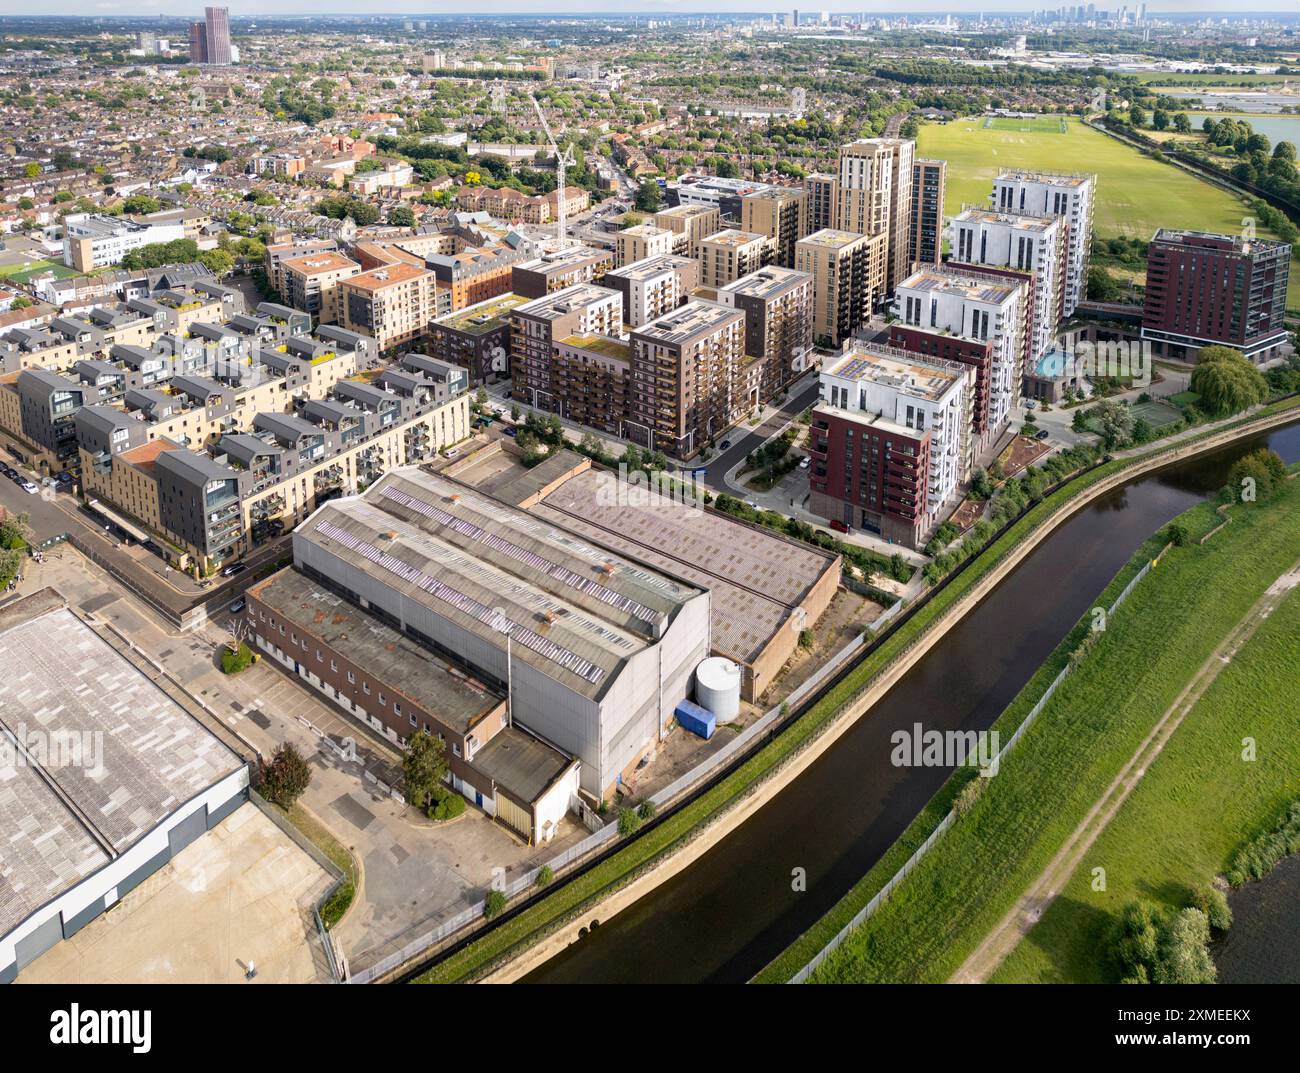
<point x="352" y="678"/>
<point x="365" y="688"/>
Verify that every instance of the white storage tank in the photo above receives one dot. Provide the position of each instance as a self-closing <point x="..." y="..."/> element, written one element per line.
<point x="717" y="687"/>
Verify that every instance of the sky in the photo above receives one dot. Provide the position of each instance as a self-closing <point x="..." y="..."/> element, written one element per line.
<point x="433" y="7"/>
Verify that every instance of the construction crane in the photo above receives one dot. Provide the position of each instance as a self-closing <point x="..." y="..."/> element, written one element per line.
<point x="563" y="161"/>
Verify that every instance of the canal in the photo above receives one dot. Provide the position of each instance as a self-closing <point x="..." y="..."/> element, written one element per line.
<point x="728" y="914"/>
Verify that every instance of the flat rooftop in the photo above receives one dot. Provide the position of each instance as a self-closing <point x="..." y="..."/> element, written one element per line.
<point x="899" y="369"/>
<point x="1046" y="178"/>
<point x="733" y="239"/>
<point x="316" y="264"/>
<point x="756" y="578"/>
<point x="1019" y="220"/>
<point x="579" y="296"/>
<point x="976" y="289"/>
<point x="768" y="282"/>
<point x="830" y="238"/>
<point x="386" y="276"/>
<point x="687" y="322"/>
<point x="411" y="670"/>
<point x="523" y="764"/>
<point x="121" y="755"/>
<point x="606" y="347"/>
<point x="649" y="267"/>
<point x="482" y="317"/>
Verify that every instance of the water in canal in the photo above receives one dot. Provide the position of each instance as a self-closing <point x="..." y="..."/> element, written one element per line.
<point x="1263" y="944"/>
<point x="727" y="915"/>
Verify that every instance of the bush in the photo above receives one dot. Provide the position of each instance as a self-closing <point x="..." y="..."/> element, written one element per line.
<point x="545" y="876"/>
<point x="1214" y="904"/>
<point x="628" y="821"/>
<point x="646" y="810"/>
<point x="337" y="904"/>
<point x="494" y="904"/>
<point x="235" y="660"/>
<point x="445" y="804"/>
<point x="1260" y="856"/>
<point x="1176" y="534"/>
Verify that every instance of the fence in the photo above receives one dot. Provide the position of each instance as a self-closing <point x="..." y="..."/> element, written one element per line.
<point x="607" y="834"/>
<point x="861" y="916"/>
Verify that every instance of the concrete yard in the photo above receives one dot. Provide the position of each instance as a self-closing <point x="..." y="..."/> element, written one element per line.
<point x="243" y="892"/>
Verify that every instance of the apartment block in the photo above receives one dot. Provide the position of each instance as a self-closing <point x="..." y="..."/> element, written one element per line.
<point x="1029" y="244"/>
<point x="393" y="305"/>
<point x="92" y="241"/>
<point x="889" y="442"/>
<point x="537" y="325"/>
<point x="848" y="272"/>
<point x="654" y="286"/>
<point x="782" y="215"/>
<point x="778" y="307"/>
<point x="823" y="201"/>
<point x="692" y="224"/>
<point x="565" y="268"/>
<point x="975" y="319"/>
<point x="929" y="178"/>
<point x="477" y="338"/>
<point x="311" y="283"/>
<point x="685" y="368"/>
<point x="1068" y="197"/>
<point x="1205" y="289"/>
<point x="727" y="255"/>
<point x="642" y="241"/>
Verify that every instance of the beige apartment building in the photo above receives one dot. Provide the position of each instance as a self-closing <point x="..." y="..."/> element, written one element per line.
<point x="728" y="255"/>
<point x="781" y="214"/>
<point x="875" y="195"/>
<point x="685" y="367"/>
<point x="638" y="243"/>
<point x="311" y="283"/>
<point x="393" y="304"/>
<point x="692" y="224"/>
<point x="848" y="272"/>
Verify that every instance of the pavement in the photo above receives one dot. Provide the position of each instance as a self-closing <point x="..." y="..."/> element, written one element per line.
<point x="242" y="893"/>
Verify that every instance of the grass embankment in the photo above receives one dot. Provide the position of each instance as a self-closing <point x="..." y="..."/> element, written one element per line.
<point x="1197" y="805"/>
<point x="338" y="903"/>
<point x="1100" y="714"/>
<point x="568" y="900"/>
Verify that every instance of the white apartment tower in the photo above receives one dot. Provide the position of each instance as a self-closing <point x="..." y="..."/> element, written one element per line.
<point x="1032" y="245"/>
<point x="1071" y="198"/>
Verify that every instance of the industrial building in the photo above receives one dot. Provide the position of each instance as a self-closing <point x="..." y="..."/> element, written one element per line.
<point x="594" y="648"/>
<point x="104" y="777"/>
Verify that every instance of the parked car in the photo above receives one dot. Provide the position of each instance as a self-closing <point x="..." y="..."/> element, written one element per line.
<point x="29" y="488"/>
<point x="805" y="462"/>
<point x="11" y="473"/>
<point x="1041" y="434"/>
<point x="233" y="569"/>
<point x="839" y="526"/>
<point x="238" y="606"/>
<point x="512" y="433"/>
<point x="725" y="444"/>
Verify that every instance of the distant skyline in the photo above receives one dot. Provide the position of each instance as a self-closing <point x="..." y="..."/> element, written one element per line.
<point x="415" y="8"/>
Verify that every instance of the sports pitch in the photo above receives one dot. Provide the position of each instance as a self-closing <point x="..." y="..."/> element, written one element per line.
<point x="1135" y="194"/>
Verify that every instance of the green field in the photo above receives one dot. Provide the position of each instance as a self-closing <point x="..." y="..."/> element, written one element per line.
<point x="1165" y="78"/>
<point x="1135" y="194"/>
<point x="1101" y="713"/>
<point x="1043" y="124"/>
<point x="1196" y="806"/>
<point x="22" y="271"/>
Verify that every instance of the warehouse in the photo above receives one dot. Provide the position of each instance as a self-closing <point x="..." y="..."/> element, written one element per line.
<point x="387" y="680"/>
<point x="764" y="587"/>
<point x="103" y="777"/>
<point x="598" y="648"/>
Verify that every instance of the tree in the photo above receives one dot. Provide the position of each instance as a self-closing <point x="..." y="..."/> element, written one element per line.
<point x="1102" y="286"/>
<point x="649" y="198"/>
<point x="1226" y="381"/>
<point x="1116" y="421"/>
<point x="1184" y="951"/>
<point x="32" y="170"/>
<point x="1135" y="941"/>
<point x="285" y="778"/>
<point x="401" y="216"/>
<point x="423" y="767"/>
<point x="1261" y="471"/>
<point x="1136" y="116"/>
<point x="1182" y="124"/>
